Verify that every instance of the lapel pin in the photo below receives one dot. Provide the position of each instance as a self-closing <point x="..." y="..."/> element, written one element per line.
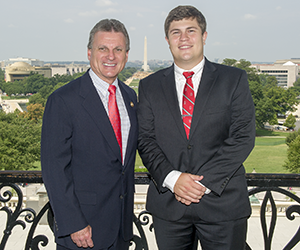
<point x="131" y="104"/>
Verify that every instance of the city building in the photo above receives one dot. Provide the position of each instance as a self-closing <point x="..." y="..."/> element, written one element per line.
<point x="67" y="69"/>
<point x="19" y="70"/>
<point x="285" y="71"/>
<point x="30" y="61"/>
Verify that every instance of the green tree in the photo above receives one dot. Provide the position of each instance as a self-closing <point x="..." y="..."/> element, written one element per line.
<point x="293" y="157"/>
<point x="1" y="75"/>
<point x="290" y="121"/>
<point x="126" y="73"/>
<point x="269" y="99"/>
<point x="291" y="137"/>
<point x="34" y="112"/>
<point x="296" y="86"/>
<point x="251" y="72"/>
<point x="34" y="82"/>
<point x="229" y="62"/>
<point x="19" y="142"/>
<point x="37" y="98"/>
<point x="283" y="100"/>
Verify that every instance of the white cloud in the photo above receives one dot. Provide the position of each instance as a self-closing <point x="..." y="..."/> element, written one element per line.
<point x="278" y="8"/>
<point x="104" y="3"/>
<point x="69" y="20"/>
<point x="112" y="10"/>
<point x="217" y="44"/>
<point x="139" y="15"/>
<point x="132" y="28"/>
<point x="249" y="17"/>
<point x="151" y="25"/>
<point x="88" y="13"/>
<point x="11" y="26"/>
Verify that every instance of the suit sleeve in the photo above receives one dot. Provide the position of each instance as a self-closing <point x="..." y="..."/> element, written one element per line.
<point x="152" y="155"/>
<point x="56" y="161"/>
<point x="228" y="160"/>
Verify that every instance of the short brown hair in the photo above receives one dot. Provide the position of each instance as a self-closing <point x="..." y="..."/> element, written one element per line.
<point x="185" y="12"/>
<point x="108" y="25"/>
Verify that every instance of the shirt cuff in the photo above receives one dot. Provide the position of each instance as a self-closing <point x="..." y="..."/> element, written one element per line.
<point x="207" y="191"/>
<point x="171" y="179"/>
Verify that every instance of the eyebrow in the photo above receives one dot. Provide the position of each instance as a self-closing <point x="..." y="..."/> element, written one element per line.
<point x="191" y="27"/>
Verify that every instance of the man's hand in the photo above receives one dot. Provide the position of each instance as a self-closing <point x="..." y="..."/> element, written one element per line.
<point x="186" y="189"/>
<point x="83" y="238"/>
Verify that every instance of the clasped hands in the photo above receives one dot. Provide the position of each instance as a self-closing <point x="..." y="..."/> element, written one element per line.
<point x="187" y="190"/>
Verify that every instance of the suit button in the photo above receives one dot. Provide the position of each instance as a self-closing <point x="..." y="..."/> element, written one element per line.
<point x="121" y="197"/>
<point x="123" y="173"/>
<point x="189" y="147"/>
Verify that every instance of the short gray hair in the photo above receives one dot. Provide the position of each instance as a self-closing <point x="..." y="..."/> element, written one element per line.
<point x="109" y="25"/>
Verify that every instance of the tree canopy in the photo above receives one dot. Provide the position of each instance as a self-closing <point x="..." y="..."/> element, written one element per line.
<point x="269" y="99"/>
<point x="293" y="157"/>
<point x="20" y="132"/>
<point x="19" y="141"/>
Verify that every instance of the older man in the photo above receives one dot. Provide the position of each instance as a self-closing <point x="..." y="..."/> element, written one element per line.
<point x="89" y="140"/>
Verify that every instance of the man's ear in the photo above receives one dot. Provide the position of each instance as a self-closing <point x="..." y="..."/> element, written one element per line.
<point x="89" y="54"/>
<point x="167" y="39"/>
<point x="204" y="36"/>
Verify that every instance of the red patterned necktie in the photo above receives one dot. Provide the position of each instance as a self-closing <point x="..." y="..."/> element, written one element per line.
<point x="114" y="115"/>
<point x="188" y="101"/>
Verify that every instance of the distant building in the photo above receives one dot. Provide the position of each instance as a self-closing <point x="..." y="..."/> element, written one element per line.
<point x="67" y="69"/>
<point x="19" y="70"/>
<point x="286" y="72"/>
<point x="283" y="61"/>
<point x="30" y="61"/>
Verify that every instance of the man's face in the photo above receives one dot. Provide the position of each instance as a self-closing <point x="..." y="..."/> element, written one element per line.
<point x="186" y="42"/>
<point x="108" y="55"/>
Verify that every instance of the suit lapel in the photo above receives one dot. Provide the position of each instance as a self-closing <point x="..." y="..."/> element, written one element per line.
<point x="131" y="110"/>
<point x="207" y="82"/>
<point x="93" y="105"/>
<point x="170" y="93"/>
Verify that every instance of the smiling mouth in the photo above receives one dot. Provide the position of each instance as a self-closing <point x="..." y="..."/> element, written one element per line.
<point x="185" y="47"/>
<point x="109" y="64"/>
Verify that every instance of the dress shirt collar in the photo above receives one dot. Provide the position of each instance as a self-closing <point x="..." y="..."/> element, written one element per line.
<point x="101" y="85"/>
<point x="197" y="69"/>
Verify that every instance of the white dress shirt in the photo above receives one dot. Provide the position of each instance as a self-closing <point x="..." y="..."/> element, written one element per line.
<point x="180" y="81"/>
<point x="102" y="89"/>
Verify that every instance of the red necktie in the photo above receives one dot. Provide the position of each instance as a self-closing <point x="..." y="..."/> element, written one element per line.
<point x="188" y="101"/>
<point x="114" y="115"/>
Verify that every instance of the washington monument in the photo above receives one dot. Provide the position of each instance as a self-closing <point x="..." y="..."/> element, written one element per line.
<point x="145" y="67"/>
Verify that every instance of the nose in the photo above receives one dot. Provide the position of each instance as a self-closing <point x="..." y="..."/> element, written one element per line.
<point x="183" y="36"/>
<point x="111" y="55"/>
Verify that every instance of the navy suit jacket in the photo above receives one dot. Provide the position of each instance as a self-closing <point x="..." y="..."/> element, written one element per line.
<point x="81" y="164"/>
<point x="221" y="137"/>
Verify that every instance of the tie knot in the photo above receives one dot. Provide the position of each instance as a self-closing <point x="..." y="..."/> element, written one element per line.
<point x="112" y="89"/>
<point x="188" y="74"/>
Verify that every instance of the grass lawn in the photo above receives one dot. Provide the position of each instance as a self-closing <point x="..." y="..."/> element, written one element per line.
<point x="134" y="84"/>
<point x="268" y="156"/>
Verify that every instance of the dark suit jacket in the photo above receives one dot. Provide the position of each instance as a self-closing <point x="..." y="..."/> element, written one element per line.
<point x="221" y="137"/>
<point x="81" y="164"/>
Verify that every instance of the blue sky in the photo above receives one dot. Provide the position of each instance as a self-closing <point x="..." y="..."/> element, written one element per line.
<point x="58" y="30"/>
